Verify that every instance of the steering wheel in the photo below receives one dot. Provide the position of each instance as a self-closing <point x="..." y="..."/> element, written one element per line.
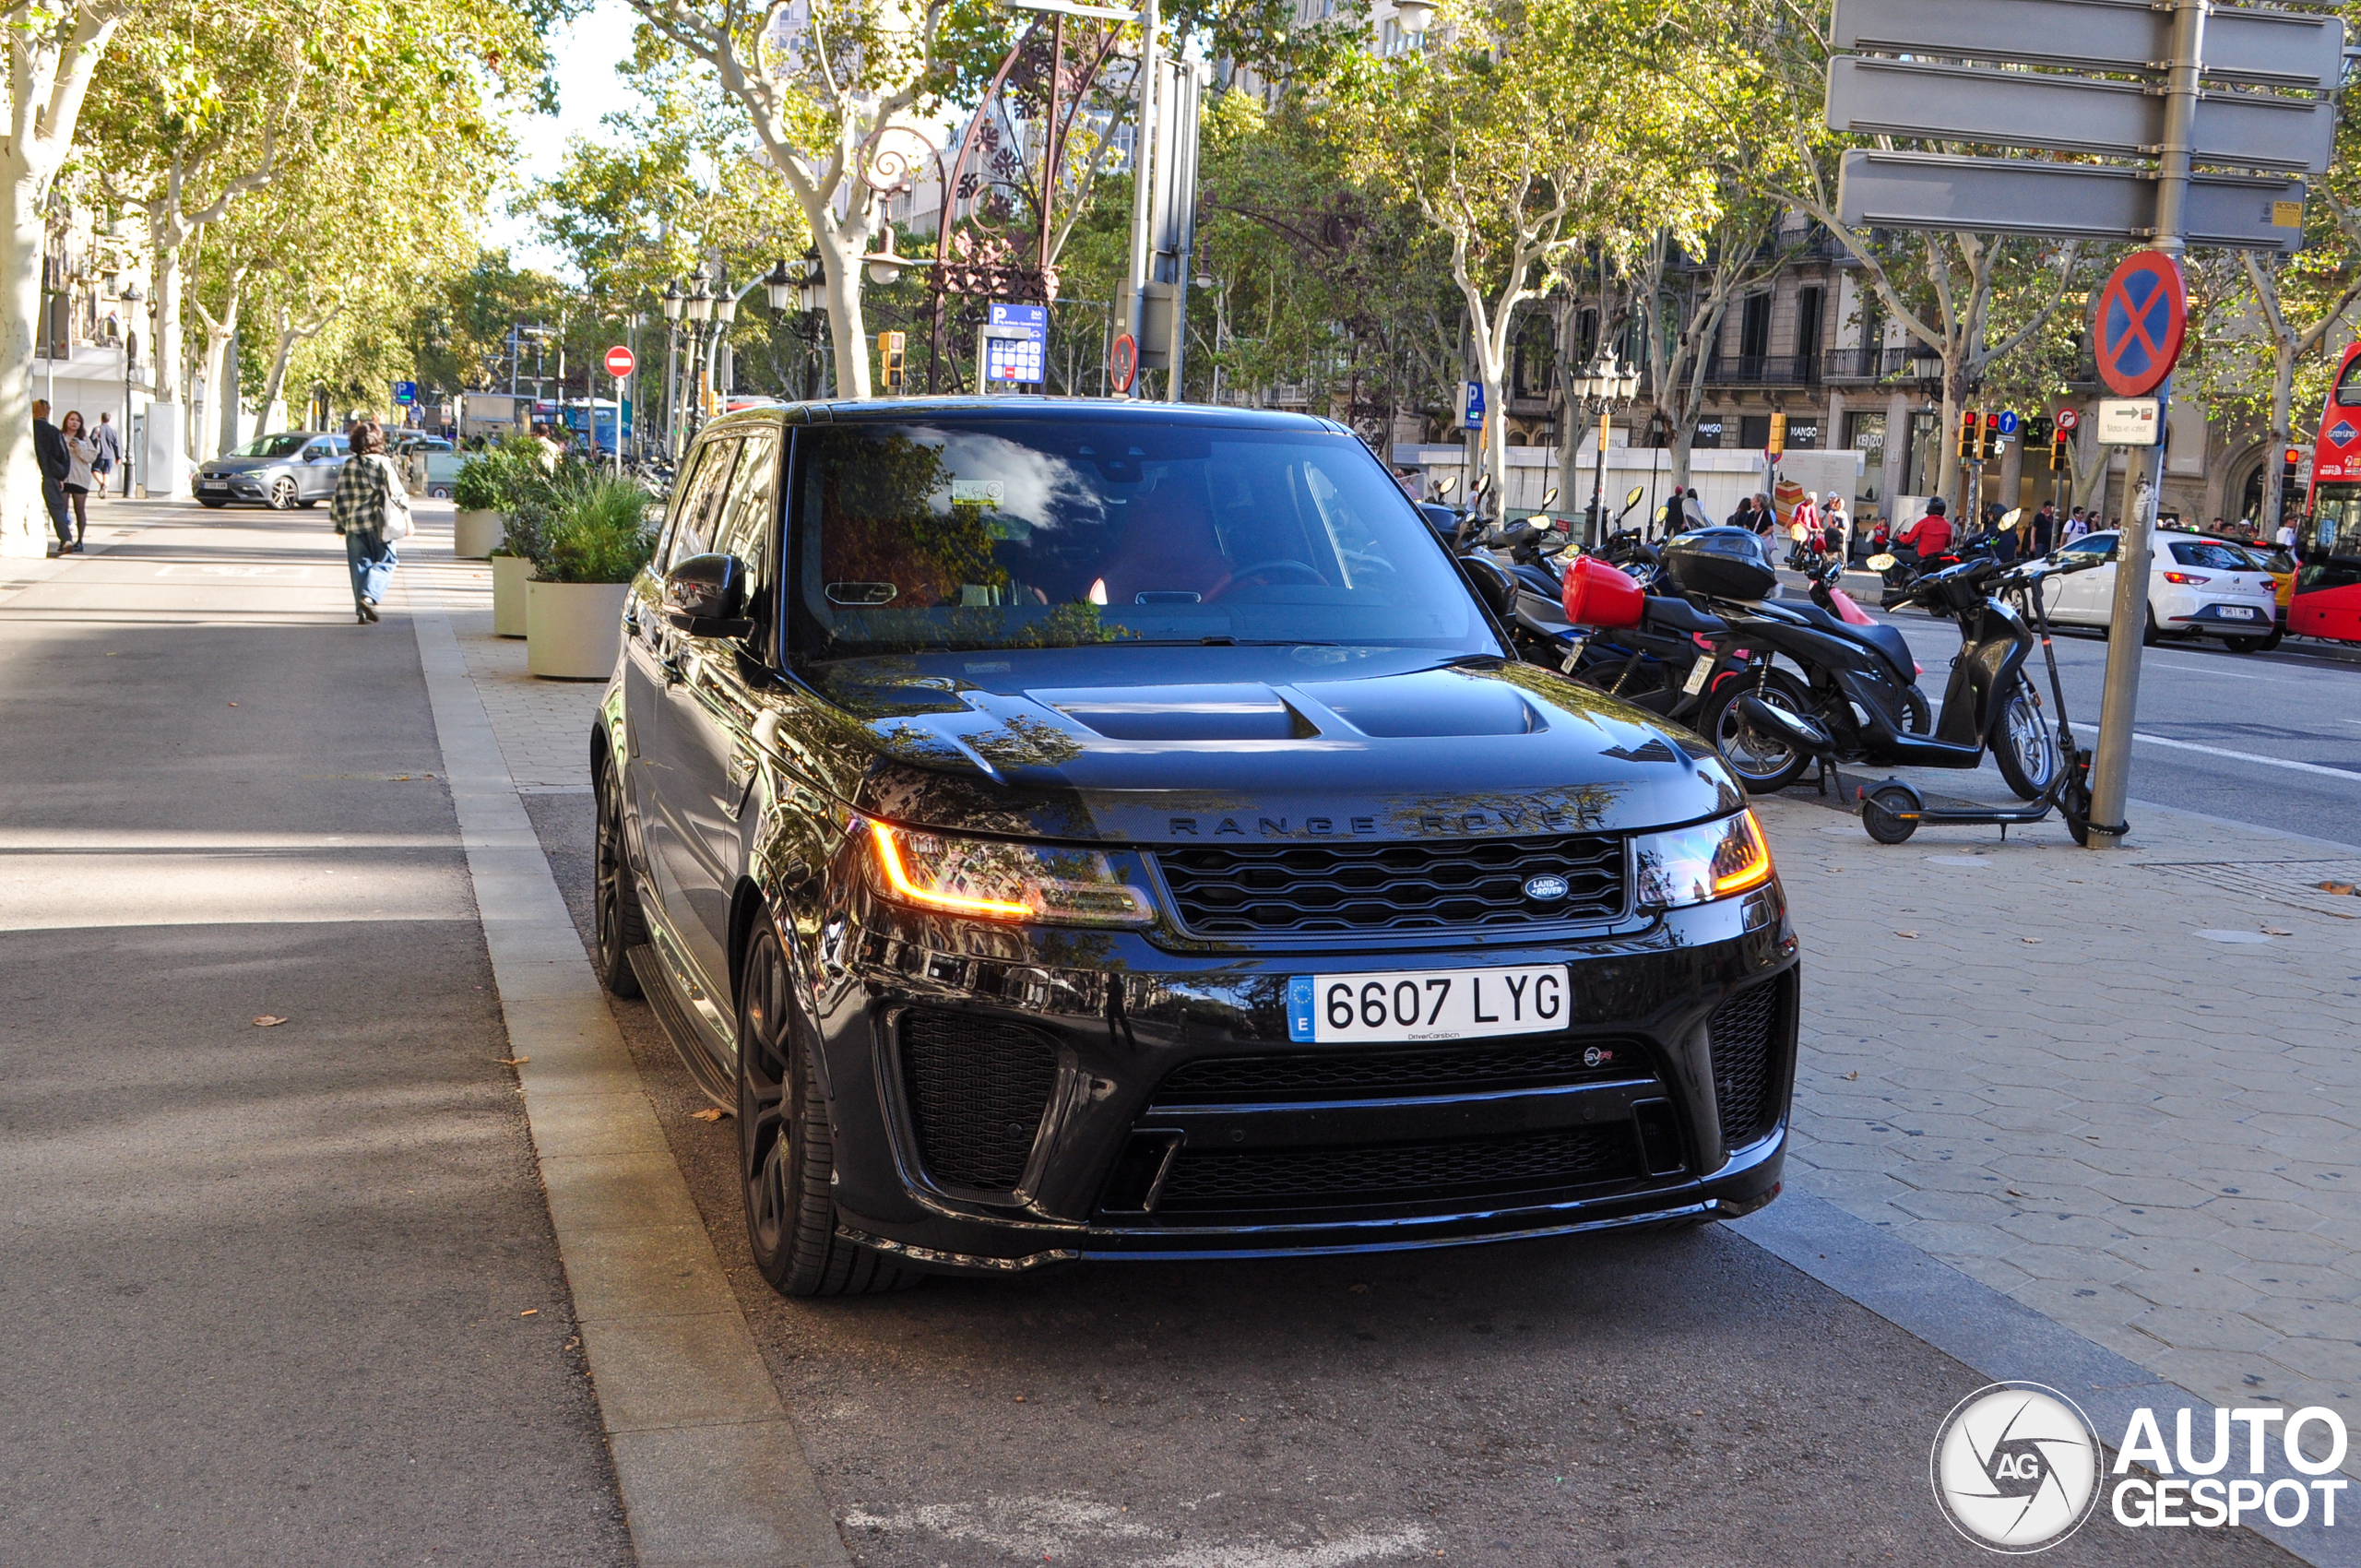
<point x="1303" y="573"/>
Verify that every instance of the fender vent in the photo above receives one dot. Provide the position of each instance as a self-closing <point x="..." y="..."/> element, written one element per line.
<point x="1744" y="1036"/>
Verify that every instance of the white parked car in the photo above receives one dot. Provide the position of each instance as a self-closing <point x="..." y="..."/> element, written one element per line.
<point x="2197" y="586"/>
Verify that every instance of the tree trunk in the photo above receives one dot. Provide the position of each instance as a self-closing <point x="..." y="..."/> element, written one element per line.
<point x="24" y="520"/>
<point x="1946" y="465"/>
<point x="212" y="442"/>
<point x="288" y="337"/>
<point x="1684" y="437"/>
<point x="165" y="261"/>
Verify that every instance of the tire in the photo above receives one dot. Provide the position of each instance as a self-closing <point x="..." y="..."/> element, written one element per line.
<point x="2023" y="743"/>
<point x="2277" y="636"/>
<point x="1764" y="770"/>
<point x="2154" y="634"/>
<point x="2249" y="644"/>
<point x="308" y="501"/>
<point x="1889" y="814"/>
<point x="616" y="924"/>
<point x="282" y="493"/>
<point x="785" y="1148"/>
<point x="1917" y="716"/>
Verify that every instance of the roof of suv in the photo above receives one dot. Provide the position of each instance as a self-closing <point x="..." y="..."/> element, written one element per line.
<point x="1015" y="406"/>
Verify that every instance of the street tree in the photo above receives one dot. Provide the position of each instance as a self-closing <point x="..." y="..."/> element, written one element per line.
<point x="1525" y="130"/>
<point x="55" y="47"/>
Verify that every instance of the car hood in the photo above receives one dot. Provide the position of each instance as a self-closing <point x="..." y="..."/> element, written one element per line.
<point x="1236" y="745"/>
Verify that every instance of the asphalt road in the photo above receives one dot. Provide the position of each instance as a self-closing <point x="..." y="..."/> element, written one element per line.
<point x="2200" y="703"/>
<point x="1686" y="1400"/>
<point x="264" y="1290"/>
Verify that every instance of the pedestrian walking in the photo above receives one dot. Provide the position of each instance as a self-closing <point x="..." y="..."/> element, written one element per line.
<point x="2077" y="525"/>
<point x="109" y="441"/>
<point x="2286" y="537"/>
<point x="2045" y="529"/>
<point x="1744" y="517"/>
<point x="1838" y="526"/>
<point x="371" y="509"/>
<point x="80" y="452"/>
<point x="56" y="463"/>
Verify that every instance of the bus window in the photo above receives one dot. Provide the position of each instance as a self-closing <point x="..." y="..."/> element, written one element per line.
<point x="2335" y="530"/>
<point x="2348" y="384"/>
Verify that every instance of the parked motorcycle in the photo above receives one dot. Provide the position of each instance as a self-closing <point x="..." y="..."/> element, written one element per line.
<point x="1858" y="703"/>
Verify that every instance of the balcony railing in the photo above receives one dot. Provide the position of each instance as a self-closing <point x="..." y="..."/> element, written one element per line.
<point x="1916" y="362"/>
<point x="1763" y="369"/>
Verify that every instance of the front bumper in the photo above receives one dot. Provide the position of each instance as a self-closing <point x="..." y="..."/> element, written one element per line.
<point x="1004" y="1099"/>
<point x="235" y="486"/>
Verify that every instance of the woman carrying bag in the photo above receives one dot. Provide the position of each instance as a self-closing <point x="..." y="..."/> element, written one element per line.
<point x="370" y="508"/>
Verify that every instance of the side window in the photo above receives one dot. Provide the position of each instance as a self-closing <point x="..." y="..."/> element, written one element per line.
<point x="745" y="532"/>
<point x="697" y="513"/>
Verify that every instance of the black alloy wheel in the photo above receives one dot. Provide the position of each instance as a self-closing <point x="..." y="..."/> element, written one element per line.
<point x="1762" y="763"/>
<point x="785" y="1148"/>
<point x="616" y="925"/>
<point x="282" y="493"/>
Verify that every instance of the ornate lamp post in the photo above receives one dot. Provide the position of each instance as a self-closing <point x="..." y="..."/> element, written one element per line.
<point x="672" y="302"/>
<point x="1602" y="384"/>
<point x="133" y="297"/>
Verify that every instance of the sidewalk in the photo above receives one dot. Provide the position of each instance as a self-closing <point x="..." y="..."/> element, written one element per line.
<point x="2120" y="1088"/>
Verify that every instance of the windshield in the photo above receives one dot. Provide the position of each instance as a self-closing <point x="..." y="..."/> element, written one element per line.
<point x="1025" y="533"/>
<point x="282" y="446"/>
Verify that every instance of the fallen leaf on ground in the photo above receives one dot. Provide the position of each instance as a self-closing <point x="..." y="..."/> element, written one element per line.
<point x="1911" y="935"/>
<point x="514" y="1061"/>
<point x="710" y="1113"/>
<point x="2333" y="886"/>
<point x="531" y="1311"/>
<point x="233" y="704"/>
<point x="2030" y="941"/>
<point x="267" y="1020"/>
<point x="2014" y="1193"/>
<point x="1357" y="1289"/>
<point x="2276" y="930"/>
<point x="1853" y="1075"/>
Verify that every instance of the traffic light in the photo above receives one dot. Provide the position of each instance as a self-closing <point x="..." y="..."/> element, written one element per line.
<point x="1990" y="449"/>
<point x="1778" y="433"/>
<point x="1970" y="423"/>
<point x="2060" y="454"/>
<point x="889" y="349"/>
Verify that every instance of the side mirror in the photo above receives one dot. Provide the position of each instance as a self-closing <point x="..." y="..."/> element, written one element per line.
<point x="1631" y="497"/>
<point x="705" y="595"/>
<point x="1549" y="499"/>
<point x="1492" y="584"/>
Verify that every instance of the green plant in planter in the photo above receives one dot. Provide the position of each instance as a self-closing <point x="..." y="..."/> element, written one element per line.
<point x="502" y="477"/>
<point x="593" y="530"/>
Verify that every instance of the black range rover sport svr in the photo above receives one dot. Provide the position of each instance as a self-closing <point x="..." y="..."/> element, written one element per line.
<point x="1071" y="829"/>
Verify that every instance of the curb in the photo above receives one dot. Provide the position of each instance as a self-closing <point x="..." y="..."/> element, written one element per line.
<point x="712" y="1472"/>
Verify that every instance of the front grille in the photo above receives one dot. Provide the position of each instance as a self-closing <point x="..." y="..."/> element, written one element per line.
<point x="1234" y="1080"/>
<point x="1460" y="1169"/>
<point x="977" y="1089"/>
<point x="1339" y="889"/>
<point x="1742" y="1034"/>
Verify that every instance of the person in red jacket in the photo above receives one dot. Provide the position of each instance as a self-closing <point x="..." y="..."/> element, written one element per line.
<point x="1931" y="535"/>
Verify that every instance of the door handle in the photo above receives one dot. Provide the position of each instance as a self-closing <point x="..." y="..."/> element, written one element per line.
<point x="741" y="774"/>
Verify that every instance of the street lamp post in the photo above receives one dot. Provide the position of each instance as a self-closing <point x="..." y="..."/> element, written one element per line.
<point x="672" y="304"/>
<point x="698" y="310"/>
<point x="133" y="295"/>
<point x="1604" y="382"/>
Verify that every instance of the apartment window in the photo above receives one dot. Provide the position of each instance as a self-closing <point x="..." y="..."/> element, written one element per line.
<point x="1754" y="329"/>
<point x="1808" y="305"/>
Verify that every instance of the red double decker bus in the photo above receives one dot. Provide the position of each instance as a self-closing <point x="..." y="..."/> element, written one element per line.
<point x="2327" y="598"/>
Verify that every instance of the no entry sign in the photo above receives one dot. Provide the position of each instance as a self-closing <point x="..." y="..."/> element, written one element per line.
<point x="2143" y="315"/>
<point x="619" y="361"/>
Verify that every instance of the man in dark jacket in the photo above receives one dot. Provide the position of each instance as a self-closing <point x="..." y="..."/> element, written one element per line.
<point x="49" y="451"/>
<point x="2045" y="529"/>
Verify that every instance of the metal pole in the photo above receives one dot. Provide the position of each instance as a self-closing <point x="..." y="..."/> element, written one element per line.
<point x="1136" y="288"/>
<point x="2119" y="698"/>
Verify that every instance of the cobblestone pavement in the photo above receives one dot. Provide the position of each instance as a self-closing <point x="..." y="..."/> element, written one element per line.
<point x="544" y="726"/>
<point x="2120" y="1088"/>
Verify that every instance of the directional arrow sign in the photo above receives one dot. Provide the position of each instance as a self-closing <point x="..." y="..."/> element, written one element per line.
<point x="1874" y="97"/>
<point x="2242" y="44"/>
<point x="1919" y="190"/>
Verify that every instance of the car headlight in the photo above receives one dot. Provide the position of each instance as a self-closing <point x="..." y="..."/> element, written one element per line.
<point x="1697" y="865"/>
<point x="996" y="880"/>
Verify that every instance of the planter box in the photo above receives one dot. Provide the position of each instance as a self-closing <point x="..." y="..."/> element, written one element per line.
<point x="574" y="630"/>
<point x="475" y="534"/>
<point x="509" y="575"/>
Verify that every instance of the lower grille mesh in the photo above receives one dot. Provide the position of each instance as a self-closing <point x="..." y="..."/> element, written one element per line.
<point x="977" y="1089"/>
<point x="1223" y="1080"/>
<point x="1325" y="1178"/>
<point x="1741" y="1034"/>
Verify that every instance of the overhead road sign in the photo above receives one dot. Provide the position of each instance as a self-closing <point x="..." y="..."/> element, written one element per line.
<point x="2142" y="316"/>
<point x="2024" y="195"/>
<point x="2069" y="114"/>
<point x="2266" y="48"/>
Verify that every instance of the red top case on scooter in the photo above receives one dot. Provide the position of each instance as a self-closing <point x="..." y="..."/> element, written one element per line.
<point x="1598" y="595"/>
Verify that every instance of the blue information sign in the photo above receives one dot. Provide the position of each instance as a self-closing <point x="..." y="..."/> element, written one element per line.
<point x="2008" y="422"/>
<point x="1472" y="410"/>
<point x="405" y="392"/>
<point x="1022" y="359"/>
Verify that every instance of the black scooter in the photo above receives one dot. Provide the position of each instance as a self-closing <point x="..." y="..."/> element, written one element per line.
<point x="1995" y="643"/>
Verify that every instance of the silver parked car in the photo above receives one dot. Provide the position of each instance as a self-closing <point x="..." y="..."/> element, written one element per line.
<point x="289" y="468"/>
